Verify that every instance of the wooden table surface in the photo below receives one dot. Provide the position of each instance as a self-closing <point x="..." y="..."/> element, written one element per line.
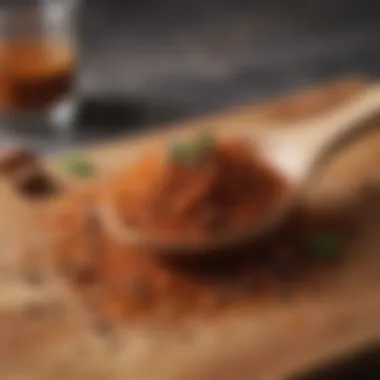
<point x="270" y="341"/>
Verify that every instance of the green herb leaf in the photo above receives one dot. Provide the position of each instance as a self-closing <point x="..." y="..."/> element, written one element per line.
<point x="325" y="244"/>
<point x="178" y="151"/>
<point x="193" y="151"/>
<point x="193" y="154"/>
<point x="205" y="142"/>
<point x="184" y="153"/>
<point x="80" y="167"/>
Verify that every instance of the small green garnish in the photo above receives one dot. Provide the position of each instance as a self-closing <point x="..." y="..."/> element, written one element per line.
<point x="80" y="166"/>
<point x="179" y="152"/>
<point x="325" y="244"/>
<point x="193" y="151"/>
<point x="204" y="143"/>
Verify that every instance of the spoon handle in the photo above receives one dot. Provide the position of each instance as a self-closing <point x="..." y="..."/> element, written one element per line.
<point x="330" y="131"/>
<point x="298" y="148"/>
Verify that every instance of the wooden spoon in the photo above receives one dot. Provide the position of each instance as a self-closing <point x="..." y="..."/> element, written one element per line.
<point x="295" y="152"/>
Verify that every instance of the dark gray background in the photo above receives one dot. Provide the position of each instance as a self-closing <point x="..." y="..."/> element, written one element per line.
<point x="151" y="60"/>
<point x="201" y="54"/>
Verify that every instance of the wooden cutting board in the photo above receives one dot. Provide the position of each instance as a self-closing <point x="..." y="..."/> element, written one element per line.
<point x="270" y="341"/>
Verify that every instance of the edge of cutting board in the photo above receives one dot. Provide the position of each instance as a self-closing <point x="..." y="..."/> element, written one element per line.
<point x="271" y="344"/>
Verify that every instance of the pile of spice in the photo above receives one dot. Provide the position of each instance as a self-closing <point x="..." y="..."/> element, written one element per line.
<point x="201" y="186"/>
<point x="120" y="283"/>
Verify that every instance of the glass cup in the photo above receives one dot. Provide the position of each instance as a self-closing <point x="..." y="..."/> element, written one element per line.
<point x="38" y="59"/>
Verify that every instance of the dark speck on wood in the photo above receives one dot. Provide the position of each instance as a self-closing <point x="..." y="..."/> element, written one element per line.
<point x="36" y="184"/>
<point x="13" y="158"/>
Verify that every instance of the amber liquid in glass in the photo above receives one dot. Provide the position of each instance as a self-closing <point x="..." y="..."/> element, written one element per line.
<point x="34" y="75"/>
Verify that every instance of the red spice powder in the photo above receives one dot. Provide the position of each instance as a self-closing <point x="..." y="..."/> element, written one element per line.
<point x="126" y="283"/>
<point x="229" y="187"/>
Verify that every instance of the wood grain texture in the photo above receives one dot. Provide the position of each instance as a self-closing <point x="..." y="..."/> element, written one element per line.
<point x="272" y="340"/>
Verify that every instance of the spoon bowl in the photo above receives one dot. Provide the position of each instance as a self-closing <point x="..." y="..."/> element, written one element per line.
<point x="295" y="153"/>
<point x="188" y="245"/>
